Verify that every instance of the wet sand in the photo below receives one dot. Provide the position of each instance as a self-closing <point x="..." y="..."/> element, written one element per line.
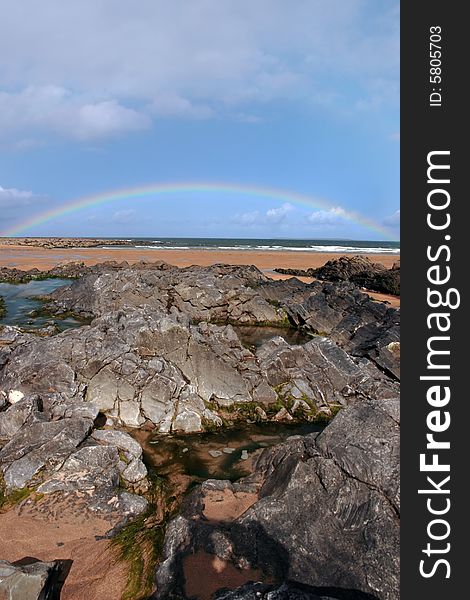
<point x="65" y="534"/>
<point x="226" y="505"/>
<point x="205" y="574"/>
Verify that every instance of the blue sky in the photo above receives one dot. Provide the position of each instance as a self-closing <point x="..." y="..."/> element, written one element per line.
<point x="300" y="95"/>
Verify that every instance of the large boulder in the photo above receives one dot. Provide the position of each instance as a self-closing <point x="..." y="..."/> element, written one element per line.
<point x="347" y="316"/>
<point x="363" y="272"/>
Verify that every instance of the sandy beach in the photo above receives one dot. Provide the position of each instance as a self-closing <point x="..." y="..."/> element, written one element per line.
<point x="23" y="257"/>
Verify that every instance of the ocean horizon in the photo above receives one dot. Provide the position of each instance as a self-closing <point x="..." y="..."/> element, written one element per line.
<point x="260" y="244"/>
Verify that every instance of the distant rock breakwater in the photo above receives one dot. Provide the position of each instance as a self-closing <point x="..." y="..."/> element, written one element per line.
<point x="60" y="242"/>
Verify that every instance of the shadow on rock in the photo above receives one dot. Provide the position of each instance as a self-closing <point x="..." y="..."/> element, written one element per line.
<point x="217" y="558"/>
<point x="290" y="590"/>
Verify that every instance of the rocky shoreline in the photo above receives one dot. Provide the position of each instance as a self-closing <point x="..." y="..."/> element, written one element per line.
<point x="161" y="352"/>
<point x="359" y="270"/>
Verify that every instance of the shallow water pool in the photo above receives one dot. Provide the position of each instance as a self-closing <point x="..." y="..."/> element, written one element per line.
<point x="23" y="307"/>
<point x="255" y="336"/>
<point x="224" y="454"/>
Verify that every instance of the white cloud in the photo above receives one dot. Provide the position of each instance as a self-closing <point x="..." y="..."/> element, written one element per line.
<point x="14" y="194"/>
<point x="276" y="215"/>
<point x="17" y="204"/>
<point x="53" y="108"/>
<point x="11" y="198"/>
<point x="333" y="216"/>
<point x="122" y="217"/>
<point x="273" y="216"/>
<point x="247" y="218"/>
<point x="393" y="220"/>
<point x="172" y="105"/>
<point x="96" y="68"/>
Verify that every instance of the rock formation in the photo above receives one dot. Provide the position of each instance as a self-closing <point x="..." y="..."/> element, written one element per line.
<point x="161" y="351"/>
<point x="363" y="272"/>
<point x="359" y="270"/>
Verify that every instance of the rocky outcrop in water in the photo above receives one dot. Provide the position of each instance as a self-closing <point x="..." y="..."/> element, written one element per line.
<point x="327" y="516"/>
<point x="66" y="270"/>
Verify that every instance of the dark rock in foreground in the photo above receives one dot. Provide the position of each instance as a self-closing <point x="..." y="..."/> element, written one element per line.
<point x="287" y="591"/>
<point x="35" y="581"/>
<point x="327" y="514"/>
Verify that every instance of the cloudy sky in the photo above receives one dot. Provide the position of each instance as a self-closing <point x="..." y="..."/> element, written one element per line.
<point x="299" y="95"/>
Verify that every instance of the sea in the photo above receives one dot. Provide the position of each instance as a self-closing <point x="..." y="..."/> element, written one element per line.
<point x="236" y="244"/>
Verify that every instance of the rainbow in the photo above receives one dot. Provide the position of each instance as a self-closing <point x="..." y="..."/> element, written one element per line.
<point x="167" y="189"/>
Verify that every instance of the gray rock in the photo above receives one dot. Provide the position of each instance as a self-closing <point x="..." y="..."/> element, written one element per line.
<point x="87" y="410"/>
<point x="143" y="360"/>
<point x="187" y="421"/>
<point x="135" y="471"/>
<point x="286" y="591"/>
<point x="42" y="445"/>
<point x="361" y="271"/>
<point x="102" y="390"/>
<point x="129" y="414"/>
<point x="120" y="439"/>
<point x="133" y="504"/>
<point x="89" y="469"/>
<point x="13" y="419"/>
<point x="36" y="581"/>
<point x="351" y="319"/>
<point x="215" y="453"/>
<point x="283" y="415"/>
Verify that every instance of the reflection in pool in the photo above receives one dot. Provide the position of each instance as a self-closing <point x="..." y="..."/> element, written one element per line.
<point x="253" y="337"/>
<point x="223" y="454"/>
<point x="21" y="304"/>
